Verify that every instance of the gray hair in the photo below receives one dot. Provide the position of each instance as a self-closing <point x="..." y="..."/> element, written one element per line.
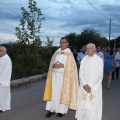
<point x="93" y="45"/>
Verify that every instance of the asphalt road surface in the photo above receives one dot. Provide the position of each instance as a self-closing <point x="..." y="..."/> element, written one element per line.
<point x="27" y="103"/>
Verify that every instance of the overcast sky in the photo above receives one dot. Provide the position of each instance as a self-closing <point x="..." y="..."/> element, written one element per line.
<point x="62" y="17"/>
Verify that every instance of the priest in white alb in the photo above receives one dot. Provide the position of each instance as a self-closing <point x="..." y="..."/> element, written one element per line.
<point x="62" y="82"/>
<point x="90" y="91"/>
<point x="5" y="76"/>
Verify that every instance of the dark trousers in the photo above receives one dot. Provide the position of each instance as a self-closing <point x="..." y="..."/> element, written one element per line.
<point x="117" y="73"/>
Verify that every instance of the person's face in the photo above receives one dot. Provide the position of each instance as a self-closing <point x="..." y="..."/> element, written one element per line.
<point x="105" y="49"/>
<point x="83" y="49"/>
<point x="108" y="48"/>
<point x="90" y="50"/>
<point x="2" y="52"/>
<point x="74" y="50"/>
<point x="98" y="49"/>
<point x="63" y="44"/>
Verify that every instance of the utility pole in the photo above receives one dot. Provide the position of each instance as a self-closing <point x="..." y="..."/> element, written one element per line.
<point x="109" y="30"/>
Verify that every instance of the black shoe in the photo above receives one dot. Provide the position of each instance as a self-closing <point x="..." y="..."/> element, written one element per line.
<point x="49" y="114"/>
<point x="1" y="111"/>
<point x="60" y="115"/>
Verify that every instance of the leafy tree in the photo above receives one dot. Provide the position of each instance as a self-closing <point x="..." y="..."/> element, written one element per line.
<point x="115" y="42"/>
<point x="28" y="58"/>
<point x="103" y="42"/>
<point x="72" y="39"/>
<point x="30" y="25"/>
<point x="118" y="42"/>
<point x="88" y="35"/>
<point x="49" y="42"/>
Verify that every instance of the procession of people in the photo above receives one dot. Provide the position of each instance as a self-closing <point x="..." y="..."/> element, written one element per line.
<point x="93" y="64"/>
<point x="74" y="81"/>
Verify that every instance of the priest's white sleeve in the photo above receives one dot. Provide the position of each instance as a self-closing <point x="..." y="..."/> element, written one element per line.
<point x="95" y="83"/>
<point x="5" y="75"/>
<point x="81" y="75"/>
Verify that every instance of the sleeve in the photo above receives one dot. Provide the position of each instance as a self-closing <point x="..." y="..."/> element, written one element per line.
<point x="6" y="73"/>
<point x="102" y="56"/>
<point x="78" y="57"/>
<point x="98" y="77"/>
<point x="118" y="56"/>
<point x="81" y="74"/>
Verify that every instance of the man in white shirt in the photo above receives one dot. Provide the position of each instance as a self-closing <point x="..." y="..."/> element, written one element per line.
<point x="90" y="91"/>
<point x="5" y="76"/>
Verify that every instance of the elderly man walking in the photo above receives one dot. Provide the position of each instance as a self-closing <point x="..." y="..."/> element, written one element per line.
<point x="5" y="76"/>
<point x="90" y="92"/>
<point x="62" y="82"/>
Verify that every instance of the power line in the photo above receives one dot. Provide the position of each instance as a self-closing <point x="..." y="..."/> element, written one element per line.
<point x="97" y="9"/>
<point x="104" y="16"/>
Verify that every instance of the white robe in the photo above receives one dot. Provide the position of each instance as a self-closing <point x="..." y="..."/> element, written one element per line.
<point x="91" y="73"/>
<point x="5" y="76"/>
<point x="57" y="80"/>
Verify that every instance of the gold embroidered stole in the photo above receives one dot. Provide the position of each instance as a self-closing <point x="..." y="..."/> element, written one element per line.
<point x="70" y="82"/>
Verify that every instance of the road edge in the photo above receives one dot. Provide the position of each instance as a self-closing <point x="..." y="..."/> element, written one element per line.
<point x="23" y="81"/>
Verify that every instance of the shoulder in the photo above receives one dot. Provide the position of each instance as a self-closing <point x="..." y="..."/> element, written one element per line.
<point x="80" y="52"/>
<point x="58" y="50"/>
<point x="117" y="54"/>
<point x="5" y="60"/>
<point x="98" y="58"/>
<point x="84" y="58"/>
<point x="5" y="57"/>
<point x="101" y="53"/>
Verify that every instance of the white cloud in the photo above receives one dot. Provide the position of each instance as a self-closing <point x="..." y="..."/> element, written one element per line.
<point x="5" y="37"/>
<point x="63" y="17"/>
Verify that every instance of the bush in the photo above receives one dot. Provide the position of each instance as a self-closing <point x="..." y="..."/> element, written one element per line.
<point x="28" y="63"/>
<point x="28" y="60"/>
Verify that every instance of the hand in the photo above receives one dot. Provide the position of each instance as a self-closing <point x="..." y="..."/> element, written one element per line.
<point x="58" y="65"/>
<point x="55" y="64"/>
<point x="87" y="88"/>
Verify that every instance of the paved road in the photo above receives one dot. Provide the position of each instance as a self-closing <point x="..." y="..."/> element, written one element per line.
<point x="27" y="103"/>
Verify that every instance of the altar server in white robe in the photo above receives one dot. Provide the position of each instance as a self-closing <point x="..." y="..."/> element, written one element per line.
<point x="62" y="82"/>
<point x="90" y="91"/>
<point x="5" y="76"/>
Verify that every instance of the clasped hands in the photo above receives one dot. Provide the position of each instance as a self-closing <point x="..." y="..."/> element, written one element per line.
<point x="58" y="65"/>
<point x="87" y="88"/>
